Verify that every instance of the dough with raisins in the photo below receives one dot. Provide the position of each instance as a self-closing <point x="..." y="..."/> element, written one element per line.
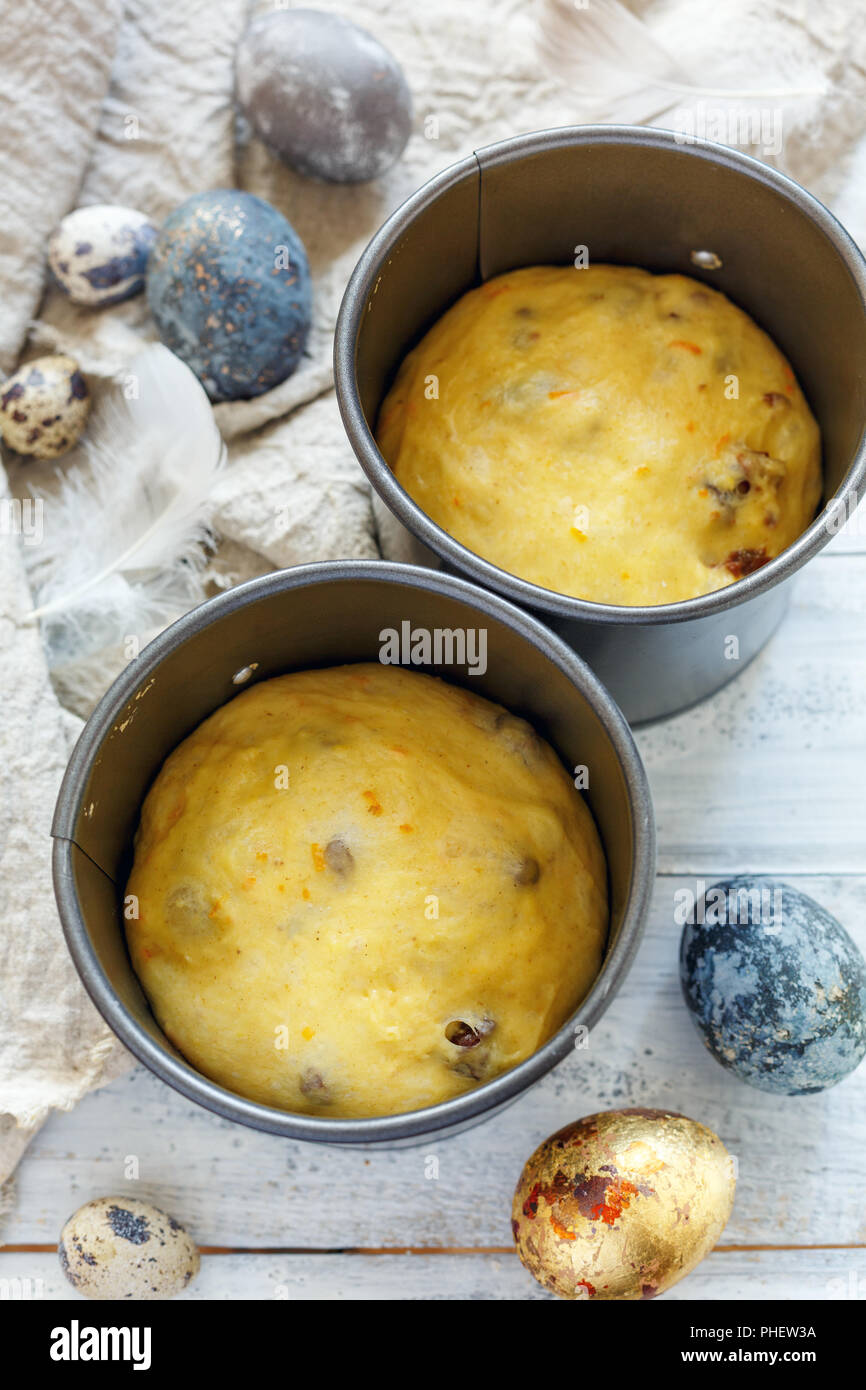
<point x="362" y="891"/>
<point x="607" y="433"/>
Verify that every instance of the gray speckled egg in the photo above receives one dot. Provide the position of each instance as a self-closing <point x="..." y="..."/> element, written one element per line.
<point x="324" y="94"/>
<point x="120" y="1247"/>
<point x="98" y="254"/>
<point x="44" y="407"/>
<point x="775" y="986"/>
<point x="229" y="287"/>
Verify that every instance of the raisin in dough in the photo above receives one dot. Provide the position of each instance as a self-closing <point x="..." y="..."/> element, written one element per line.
<point x="624" y="437"/>
<point x="362" y="891"/>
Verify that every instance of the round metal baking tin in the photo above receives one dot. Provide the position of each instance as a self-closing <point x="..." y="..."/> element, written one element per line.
<point x="322" y="615"/>
<point x="639" y="197"/>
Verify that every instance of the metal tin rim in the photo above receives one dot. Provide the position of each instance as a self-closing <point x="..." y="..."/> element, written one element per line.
<point x="192" y="1084"/>
<point x="362" y="284"/>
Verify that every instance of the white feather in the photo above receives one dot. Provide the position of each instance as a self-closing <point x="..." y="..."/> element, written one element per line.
<point x="618" y="70"/>
<point x="124" y="536"/>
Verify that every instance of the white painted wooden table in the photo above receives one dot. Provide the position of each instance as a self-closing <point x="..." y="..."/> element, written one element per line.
<point x="768" y="776"/>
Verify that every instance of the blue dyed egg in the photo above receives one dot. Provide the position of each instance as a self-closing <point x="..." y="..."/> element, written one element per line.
<point x="229" y="287"/>
<point x="98" y="254"/>
<point x="324" y="94"/>
<point x="775" y="985"/>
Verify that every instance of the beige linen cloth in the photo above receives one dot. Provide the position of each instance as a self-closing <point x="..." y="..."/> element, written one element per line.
<point x="106" y="102"/>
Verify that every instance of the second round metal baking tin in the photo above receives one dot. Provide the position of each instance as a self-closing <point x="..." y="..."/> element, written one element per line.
<point x="322" y="615"/>
<point x="638" y="197"/>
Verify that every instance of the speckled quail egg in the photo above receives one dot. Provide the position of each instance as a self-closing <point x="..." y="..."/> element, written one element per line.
<point x="98" y="254"/>
<point x="120" y="1247"/>
<point x="324" y="94"/>
<point x="44" y="407"/>
<point x="775" y="986"/>
<point x="621" y="1205"/>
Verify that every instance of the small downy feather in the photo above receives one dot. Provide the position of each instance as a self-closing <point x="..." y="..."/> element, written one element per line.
<point x="619" y="71"/>
<point x="123" y="550"/>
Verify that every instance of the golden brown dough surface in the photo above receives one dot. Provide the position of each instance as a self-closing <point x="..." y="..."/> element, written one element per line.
<point x="345" y="876"/>
<point x="620" y="436"/>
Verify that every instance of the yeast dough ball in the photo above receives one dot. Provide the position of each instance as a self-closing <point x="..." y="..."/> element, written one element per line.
<point x="775" y="986"/>
<point x="229" y="287"/>
<point x="362" y="891"/>
<point x="607" y="433"/>
<point x="324" y="94"/>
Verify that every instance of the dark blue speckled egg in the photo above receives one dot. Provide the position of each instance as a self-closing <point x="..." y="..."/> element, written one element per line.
<point x="229" y="287"/>
<point x="775" y="985"/>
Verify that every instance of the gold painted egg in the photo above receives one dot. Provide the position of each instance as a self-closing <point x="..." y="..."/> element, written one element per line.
<point x="623" y="1204"/>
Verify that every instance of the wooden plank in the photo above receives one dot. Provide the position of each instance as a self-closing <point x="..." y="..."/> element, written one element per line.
<point x="768" y="775"/>
<point x="802" y="1160"/>
<point x="724" y="1276"/>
